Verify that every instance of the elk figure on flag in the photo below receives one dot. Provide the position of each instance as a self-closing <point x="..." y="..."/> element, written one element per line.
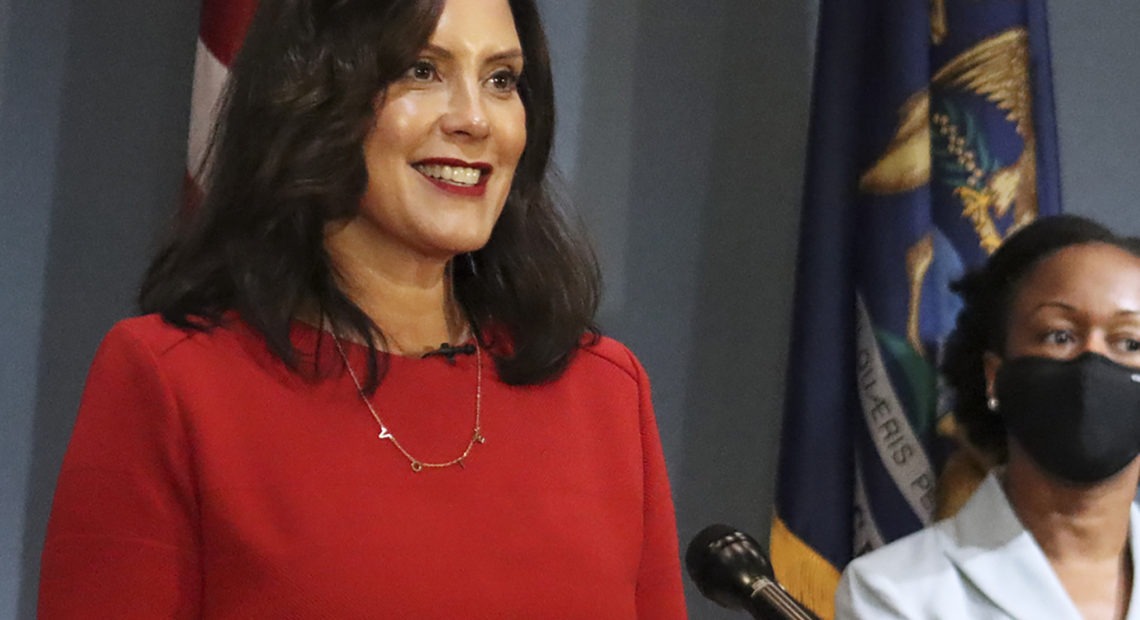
<point x="932" y="139"/>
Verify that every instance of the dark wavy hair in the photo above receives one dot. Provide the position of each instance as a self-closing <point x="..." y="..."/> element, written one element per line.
<point x="983" y="322"/>
<point x="286" y="158"/>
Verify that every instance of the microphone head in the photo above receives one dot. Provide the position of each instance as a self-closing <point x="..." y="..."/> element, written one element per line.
<point x="724" y="563"/>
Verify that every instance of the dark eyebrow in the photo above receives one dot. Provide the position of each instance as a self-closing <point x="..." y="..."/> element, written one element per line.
<point x="1053" y="304"/>
<point x="515" y="54"/>
<point x="511" y="54"/>
<point x="1064" y="306"/>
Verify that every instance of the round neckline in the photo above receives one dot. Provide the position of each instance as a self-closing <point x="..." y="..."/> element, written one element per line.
<point x="352" y="344"/>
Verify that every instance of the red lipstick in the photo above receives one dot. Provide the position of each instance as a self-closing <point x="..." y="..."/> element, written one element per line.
<point x="476" y="190"/>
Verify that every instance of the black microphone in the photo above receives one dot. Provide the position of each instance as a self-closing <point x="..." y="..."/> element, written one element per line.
<point x="729" y="568"/>
<point x="448" y="351"/>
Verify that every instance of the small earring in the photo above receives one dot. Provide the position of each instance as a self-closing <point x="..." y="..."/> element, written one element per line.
<point x="992" y="403"/>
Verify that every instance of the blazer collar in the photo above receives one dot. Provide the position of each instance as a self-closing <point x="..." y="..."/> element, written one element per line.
<point x="1134" y="543"/>
<point x="1000" y="558"/>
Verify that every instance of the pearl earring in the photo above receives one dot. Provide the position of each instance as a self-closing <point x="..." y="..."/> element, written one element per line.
<point x="992" y="403"/>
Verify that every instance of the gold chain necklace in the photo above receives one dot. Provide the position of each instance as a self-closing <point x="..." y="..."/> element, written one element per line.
<point x="385" y="434"/>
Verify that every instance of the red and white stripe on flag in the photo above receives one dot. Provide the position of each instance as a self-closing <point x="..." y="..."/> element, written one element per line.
<point x="223" y="27"/>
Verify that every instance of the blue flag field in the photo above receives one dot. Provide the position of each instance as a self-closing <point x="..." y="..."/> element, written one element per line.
<point x="932" y="139"/>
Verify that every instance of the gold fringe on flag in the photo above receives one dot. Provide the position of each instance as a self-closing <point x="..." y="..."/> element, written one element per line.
<point x="803" y="572"/>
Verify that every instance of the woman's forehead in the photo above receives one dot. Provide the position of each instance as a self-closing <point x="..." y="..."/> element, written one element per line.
<point x="1094" y="276"/>
<point x="475" y="27"/>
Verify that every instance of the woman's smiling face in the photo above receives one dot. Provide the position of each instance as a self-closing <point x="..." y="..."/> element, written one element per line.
<point x="447" y="137"/>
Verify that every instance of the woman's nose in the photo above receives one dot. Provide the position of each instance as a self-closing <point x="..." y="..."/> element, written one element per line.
<point x="466" y="115"/>
<point x="1097" y="343"/>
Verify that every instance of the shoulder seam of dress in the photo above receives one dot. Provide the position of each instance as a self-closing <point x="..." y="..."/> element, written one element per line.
<point x="165" y="345"/>
<point x="630" y="370"/>
<point x="153" y="356"/>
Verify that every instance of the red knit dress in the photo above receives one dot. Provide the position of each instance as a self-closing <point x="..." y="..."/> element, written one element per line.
<point x="206" y="480"/>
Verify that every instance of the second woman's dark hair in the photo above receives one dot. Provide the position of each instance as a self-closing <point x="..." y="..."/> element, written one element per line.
<point x="287" y="158"/>
<point x="987" y="294"/>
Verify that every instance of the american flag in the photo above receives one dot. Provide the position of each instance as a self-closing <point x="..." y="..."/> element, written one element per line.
<point x="223" y="27"/>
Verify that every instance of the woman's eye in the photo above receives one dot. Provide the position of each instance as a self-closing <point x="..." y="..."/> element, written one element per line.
<point x="421" y="71"/>
<point x="1059" y="337"/>
<point x="504" y="81"/>
<point x="1130" y="345"/>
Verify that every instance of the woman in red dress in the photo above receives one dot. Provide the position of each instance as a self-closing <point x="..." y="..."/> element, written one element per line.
<point x="283" y="435"/>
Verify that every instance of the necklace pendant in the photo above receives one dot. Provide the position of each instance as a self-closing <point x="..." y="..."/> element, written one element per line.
<point x="416" y="465"/>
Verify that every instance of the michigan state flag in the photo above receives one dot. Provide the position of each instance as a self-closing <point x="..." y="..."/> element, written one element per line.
<point x="932" y="139"/>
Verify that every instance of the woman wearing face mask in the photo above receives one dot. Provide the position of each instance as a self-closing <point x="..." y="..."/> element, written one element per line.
<point x="1045" y="364"/>
<point x="283" y="436"/>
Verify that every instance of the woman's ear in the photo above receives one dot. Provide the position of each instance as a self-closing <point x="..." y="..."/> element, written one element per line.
<point x="991" y="362"/>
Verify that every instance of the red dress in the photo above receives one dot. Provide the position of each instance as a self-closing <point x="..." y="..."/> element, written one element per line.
<point x="205" y="480"/>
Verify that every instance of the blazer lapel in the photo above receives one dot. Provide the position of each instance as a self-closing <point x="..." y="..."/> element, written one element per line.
<point x="1134" y="544"/>
<point x="996" y="555"/>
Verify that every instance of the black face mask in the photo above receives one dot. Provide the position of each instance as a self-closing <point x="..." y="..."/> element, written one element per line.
<point x="1079" y="419"/>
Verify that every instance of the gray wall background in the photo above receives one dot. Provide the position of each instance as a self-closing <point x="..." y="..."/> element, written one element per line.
<point x="682" y="131"/>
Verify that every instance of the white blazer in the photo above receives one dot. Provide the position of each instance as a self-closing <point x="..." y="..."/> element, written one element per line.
<point x="982" y="563"/>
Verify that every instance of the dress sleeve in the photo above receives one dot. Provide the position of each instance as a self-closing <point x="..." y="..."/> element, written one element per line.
<point x="122" y="540"/>
<point x="660" y="594"/>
